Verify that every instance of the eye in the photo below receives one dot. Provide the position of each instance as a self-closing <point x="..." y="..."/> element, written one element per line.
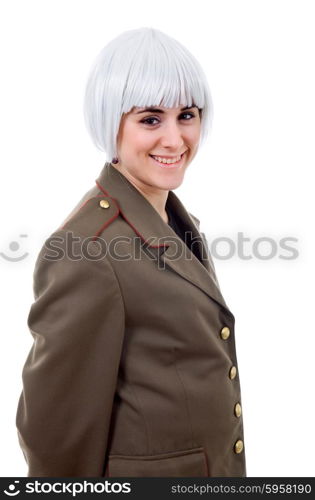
<point x="148" y="121"/>
<point x="191" y="115"/>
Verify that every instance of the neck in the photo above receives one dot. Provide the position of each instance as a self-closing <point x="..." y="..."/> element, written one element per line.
<point x="156" y="197"/>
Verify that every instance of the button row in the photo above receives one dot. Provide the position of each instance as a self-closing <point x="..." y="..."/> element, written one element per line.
<point x="225" y="333"/>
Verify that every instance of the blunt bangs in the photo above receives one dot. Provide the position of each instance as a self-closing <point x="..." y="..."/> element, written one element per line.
<point x="142" y="68"/>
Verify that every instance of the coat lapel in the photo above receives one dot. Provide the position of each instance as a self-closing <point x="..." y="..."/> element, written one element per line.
<point x="158" y="237"/>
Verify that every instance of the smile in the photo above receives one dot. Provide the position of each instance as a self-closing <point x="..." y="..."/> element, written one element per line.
<point x="168" y="162"/>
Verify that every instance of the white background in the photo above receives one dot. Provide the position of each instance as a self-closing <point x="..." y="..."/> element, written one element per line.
<point x="255" y="176"/>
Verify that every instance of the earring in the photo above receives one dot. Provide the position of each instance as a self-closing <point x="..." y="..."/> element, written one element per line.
<point x="115" y="160"/>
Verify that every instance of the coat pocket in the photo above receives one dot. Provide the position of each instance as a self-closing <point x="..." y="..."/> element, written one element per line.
<point x="190" y="463"/>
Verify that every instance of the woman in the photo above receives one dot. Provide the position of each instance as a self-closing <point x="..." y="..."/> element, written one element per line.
<point x="133" y="370"/>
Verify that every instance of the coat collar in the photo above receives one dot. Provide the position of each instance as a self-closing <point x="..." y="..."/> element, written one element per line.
<point x="159" y="236"/>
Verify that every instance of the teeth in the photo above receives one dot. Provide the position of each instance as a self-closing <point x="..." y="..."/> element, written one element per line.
<point x="166" y="160"/>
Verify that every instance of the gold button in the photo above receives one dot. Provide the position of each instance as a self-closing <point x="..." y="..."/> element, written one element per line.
<point x="233" y="372"/>
<point x="239" y="446"/>
<point x="225" y="332"/>
<point x="104" y="204"/>
<point x="238" y="410"/>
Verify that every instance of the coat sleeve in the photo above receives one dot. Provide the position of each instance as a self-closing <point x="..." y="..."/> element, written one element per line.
<point x="69" y="377"/>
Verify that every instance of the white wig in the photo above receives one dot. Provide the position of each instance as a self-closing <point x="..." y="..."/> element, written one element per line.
<point x="142" y="67"/>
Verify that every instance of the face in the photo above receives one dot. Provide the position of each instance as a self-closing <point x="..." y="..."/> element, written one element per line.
<point x="155" y="145"/>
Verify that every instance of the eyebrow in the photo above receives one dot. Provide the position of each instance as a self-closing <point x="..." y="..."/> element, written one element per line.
<point x="157" y="110"/>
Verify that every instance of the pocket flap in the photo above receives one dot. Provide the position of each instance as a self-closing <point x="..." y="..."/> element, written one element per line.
<point x="189" y="463"/>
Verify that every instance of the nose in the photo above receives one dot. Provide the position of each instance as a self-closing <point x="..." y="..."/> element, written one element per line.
<point x="172" y="137"/>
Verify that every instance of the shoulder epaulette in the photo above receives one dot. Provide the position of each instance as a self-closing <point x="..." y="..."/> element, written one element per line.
<point x="93" y="216"/>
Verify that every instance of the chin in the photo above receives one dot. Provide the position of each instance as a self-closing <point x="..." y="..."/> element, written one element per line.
<point x="170" y="184"/>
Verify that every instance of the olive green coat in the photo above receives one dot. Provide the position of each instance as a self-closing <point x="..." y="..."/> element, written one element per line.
<point x="133" y="369"/>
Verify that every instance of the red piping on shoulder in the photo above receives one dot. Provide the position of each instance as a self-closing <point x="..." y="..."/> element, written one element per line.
<point x="123" y="215"/>
<point x="78" y="210"/>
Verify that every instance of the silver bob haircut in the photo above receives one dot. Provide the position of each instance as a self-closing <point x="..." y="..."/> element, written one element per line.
<point x="142" y="67"/>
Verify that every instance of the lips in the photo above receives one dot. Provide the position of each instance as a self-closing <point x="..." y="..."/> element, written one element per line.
<point x="168" y="165"/>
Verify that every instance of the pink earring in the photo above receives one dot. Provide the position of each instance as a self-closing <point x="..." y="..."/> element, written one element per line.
<point x="115" y="160"/>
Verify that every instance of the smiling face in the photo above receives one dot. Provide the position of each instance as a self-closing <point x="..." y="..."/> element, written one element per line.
<point x="155" y="145"/>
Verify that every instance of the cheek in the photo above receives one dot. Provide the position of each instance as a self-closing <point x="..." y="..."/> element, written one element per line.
<point x="194" y="136"/>
<point x="138" y="140"/>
